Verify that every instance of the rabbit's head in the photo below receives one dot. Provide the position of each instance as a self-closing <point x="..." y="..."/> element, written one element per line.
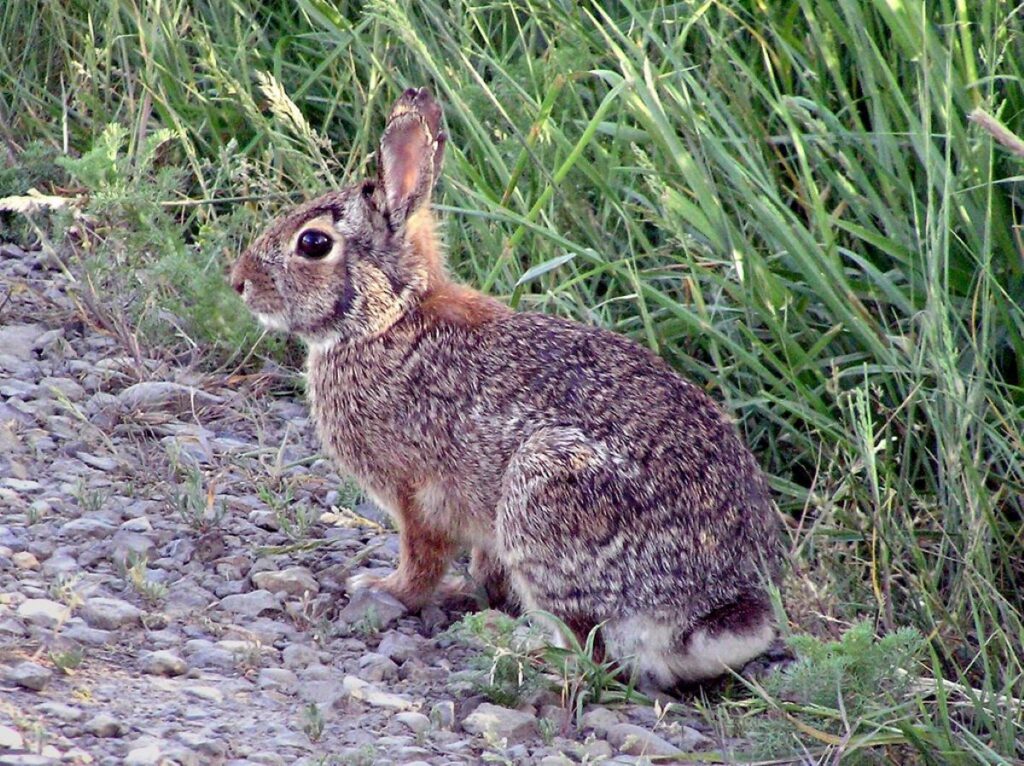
<point x="350" y="263"/>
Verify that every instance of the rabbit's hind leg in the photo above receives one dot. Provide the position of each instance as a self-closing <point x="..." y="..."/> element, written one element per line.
<point x="558" y="536"/>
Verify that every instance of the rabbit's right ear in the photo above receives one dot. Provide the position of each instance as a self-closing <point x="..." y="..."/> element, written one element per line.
<point x="411" y="151"/>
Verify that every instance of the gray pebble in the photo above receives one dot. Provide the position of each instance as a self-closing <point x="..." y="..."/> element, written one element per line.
<point x="417" y="722"/>
<point x="399" y="647"/>
<point x="293" y="581"/>
<point x="442" y="715"/>
<point x="105" y="725"/>
<point x="251" y="604"/>
<point x="29" y="675"/>
<point x="373" y="608"/>
<point x="164" y="663"/>
<point x="109" y="613"/>
<point x="299" y="655"/>
<point x="277" y="678"/>
<point x="501" y="722"/>
<point x="62" y="712"/>
<point x="636" y="740"/>
<point x="376" y="667"/>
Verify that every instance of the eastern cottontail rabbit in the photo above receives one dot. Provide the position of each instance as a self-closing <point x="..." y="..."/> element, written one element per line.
<point x="581" y="470"/>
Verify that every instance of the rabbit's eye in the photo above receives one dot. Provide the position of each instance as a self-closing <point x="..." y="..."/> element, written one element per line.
<point x="314" y="244"/>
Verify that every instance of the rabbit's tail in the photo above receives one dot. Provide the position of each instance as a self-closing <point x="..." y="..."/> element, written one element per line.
<point x="661" y="654"/>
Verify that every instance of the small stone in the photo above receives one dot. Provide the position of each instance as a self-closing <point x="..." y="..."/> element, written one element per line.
<point x="690" y="739"/>
<point x="205" y="693"/>
<point x="109" y="613"/>
<point x="299" y="656"/>
<point x="30" y="759"/>
<point x="25" y="560"/>
<point x="86" y="526"/>
<point x="293" y="581"/>
<point x="100" y="463"/>
<point x="636" y="740"/>
<point x="358" y="689"/>
<point x="417" y="722"/>
<point x="264" y="758"/>
<point x="143" y="756"/>
<point x="251" y="604"/>
<point x="83" y="634"/>
<point x="375" y="667"/>
<point x="66" y="387"/>
<point x="213" y="657"/>
<point x="29" y="675"/>
<point x="277" y="678"/>
<point x="600" y="719"/>
<point x="19" y="340"/>
<point x="373" y="608"/>
<point x="442" y="715"/>
<point x="43" y="612"/>
<point x="11" y="739"/>
<point x="557" y="716"/>
<point x="555" y="760"/>
<point x="164" y="663"/>
<point x="596" y="751"/>
<point x="104" y="725"/>
<point x="153" y="396"/>
<point x="501" y="722"/>
<point x="140" y="524"/>
<point x="398" y="647"/>
<point x="131" y="546"/>
<point x="62" y="712"/>
<point x="12" y="628"/>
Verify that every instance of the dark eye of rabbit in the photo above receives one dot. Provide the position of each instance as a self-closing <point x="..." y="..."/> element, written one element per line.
<point x="314" y="244"/>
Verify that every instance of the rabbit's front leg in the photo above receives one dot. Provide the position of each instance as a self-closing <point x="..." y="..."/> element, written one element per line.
<point x="424" y="555"/>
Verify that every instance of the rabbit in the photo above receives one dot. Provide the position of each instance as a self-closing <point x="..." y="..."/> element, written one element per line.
<point x="590" y="481"/>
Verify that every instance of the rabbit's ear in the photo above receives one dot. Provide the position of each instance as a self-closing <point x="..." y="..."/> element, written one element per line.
<point x="410" y="156"/>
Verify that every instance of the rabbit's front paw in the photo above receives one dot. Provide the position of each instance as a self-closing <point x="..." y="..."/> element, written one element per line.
<point x="413" y="595"/>
<point x="362" y="581"/>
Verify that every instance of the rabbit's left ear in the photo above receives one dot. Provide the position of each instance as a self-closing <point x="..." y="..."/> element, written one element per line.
<point x="410" y="156"/>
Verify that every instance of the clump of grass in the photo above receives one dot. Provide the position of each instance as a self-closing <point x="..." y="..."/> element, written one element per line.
<point x="136" y="574"/>
<point x="516" y="661"/>
<point x="850" y="695"/>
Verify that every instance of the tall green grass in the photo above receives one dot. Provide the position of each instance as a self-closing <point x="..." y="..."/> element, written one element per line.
<point x="785" y="199"/>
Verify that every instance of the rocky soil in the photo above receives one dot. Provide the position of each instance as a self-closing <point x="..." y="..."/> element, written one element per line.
<point x="173" y="558"/>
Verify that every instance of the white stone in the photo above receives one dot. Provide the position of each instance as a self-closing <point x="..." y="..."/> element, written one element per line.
<point x="636" y="740"/>
<point x="43" y="612"/>
<point x="500" y="722"/>
<point x="11" y="739"/>
<point x="251" y="604"/>
<point x="417" y="722"/>
<point x="164" y="663"/>
<point x="358" y="689"/>
<point x="293" y="581"/>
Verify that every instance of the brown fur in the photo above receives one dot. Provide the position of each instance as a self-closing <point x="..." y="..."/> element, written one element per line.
<point x="588" y="478"/>
<point x="453" y="304"/>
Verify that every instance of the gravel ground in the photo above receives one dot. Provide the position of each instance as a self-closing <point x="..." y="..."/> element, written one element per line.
<point x="173" y="556"/>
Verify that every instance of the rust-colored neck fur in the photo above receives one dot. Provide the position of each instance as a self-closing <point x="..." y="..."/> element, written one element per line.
<point x="445" y="301"/>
